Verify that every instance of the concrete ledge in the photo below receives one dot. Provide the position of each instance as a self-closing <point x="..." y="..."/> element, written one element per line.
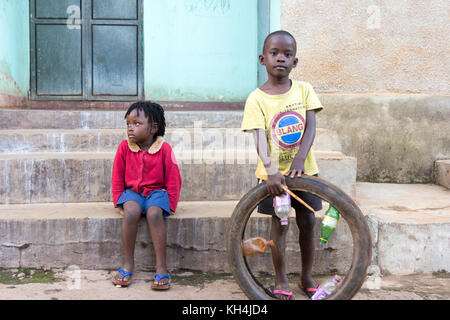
<point x="442" y="173"/>
<point x="409" y="236"/>
<point x="410" y="225"/>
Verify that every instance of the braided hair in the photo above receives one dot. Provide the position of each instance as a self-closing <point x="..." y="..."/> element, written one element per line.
<point x="153" y="112"/>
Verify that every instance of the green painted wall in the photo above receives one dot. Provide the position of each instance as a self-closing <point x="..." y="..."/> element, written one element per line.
<point x="200" y="50"/>
<point x="269" y="15"/>
<point x="275" y="15"/>
<point x="194" y="50"/>
<point x="14" y="47"/>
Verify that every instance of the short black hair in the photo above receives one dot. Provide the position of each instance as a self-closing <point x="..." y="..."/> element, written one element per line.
<point x="279" y="32"/>
<point x="153" y="111"/>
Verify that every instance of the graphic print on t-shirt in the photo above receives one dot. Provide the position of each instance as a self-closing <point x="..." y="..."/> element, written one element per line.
<point x="287" y="129"/>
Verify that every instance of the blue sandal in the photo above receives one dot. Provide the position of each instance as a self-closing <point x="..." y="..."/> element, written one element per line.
<point x="159" y="286"/>
<point x="121" y="281"/>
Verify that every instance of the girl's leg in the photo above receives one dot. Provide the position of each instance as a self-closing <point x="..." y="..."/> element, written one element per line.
<point x="278" y="234"/>
<point x="132" y="214"/>
<point x="157" y="228"/>
<point x="305" y="222"/>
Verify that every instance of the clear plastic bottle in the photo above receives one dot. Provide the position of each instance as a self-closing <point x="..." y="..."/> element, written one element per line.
<point x="282" y="207"/>
<point x="326" y="289"/>
<point x="255" y="245"/>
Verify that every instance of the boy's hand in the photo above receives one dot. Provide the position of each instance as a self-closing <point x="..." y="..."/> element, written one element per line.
<point x="122" y="213"/>
<point x="274" y="183"/>
<point x="297" y="168"/>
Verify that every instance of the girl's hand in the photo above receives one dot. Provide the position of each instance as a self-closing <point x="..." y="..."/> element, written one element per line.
<point x="274" y="183"/>
<point x="122" y="213"/>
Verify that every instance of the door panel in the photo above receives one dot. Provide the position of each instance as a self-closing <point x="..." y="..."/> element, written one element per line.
<point x="54" y="9"/>
<point x="114" y="60"/>
<point x="58" y="63"/>
<point x="114" y="9"/>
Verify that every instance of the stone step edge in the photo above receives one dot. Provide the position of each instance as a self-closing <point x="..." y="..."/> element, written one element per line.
<point x="101" y="210"/>
<point x="109" y="155"/>
<point x="70" y="119"/>
<point x="107" y="140"/>
<point x="120" y="130"/>
<point x="190" y="210"/>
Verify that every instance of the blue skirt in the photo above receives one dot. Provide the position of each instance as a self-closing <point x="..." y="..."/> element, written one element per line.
<point x="158" y="198"/>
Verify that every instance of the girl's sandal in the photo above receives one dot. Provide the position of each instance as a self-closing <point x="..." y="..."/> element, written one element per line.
<point x="122" y="280"/>
<point x="158" y="285"/>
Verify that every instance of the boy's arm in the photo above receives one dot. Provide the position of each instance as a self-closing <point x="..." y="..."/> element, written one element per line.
<point x="274" y="177"/>
<point x="298" y="165"/>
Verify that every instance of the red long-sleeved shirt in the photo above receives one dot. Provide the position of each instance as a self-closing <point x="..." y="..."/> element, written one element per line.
<point x="146" y="171"/>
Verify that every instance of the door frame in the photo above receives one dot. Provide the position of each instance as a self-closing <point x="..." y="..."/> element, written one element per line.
<point x="87" y="53"/>
<point x="269" y="14"/>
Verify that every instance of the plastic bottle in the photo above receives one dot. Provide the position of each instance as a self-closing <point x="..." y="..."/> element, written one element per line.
<point x="255" y="245"/>
<point x="282" y="207"/>
<point x="329" y="224"/>
<point x="326" y="289"/>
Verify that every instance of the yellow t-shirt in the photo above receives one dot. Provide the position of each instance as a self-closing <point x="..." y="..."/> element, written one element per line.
<point x="284" y="118"/>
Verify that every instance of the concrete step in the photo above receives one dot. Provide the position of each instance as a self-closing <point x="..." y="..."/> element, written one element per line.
<point x="408" y="236"/>
<point x="86" y="177"/>
<point x="442" y="172"/>
<point x="107" y="140"/>
<point x="63" y="119"/>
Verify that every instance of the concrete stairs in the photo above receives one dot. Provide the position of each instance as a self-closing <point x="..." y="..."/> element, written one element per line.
<point x="410" y="225"/>
<point x="55" y="194"/>
<point x="74" y="165"/>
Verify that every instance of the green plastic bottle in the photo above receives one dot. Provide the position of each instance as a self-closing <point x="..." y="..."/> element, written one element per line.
<point x="329" y="224"/>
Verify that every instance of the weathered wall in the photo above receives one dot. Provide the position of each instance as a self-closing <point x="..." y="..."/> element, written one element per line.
<point x="383" y="71"/>
<point x="395" y="138"/>
<point x="371" y="46"/>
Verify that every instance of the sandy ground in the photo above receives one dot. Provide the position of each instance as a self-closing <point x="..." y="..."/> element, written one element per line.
<point x="96" y="285"/>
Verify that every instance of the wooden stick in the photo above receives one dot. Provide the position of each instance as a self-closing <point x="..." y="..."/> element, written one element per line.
<point x="297" y="198"/>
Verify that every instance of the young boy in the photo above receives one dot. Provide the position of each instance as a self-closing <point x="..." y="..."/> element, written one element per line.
<point x="282" y="116"/>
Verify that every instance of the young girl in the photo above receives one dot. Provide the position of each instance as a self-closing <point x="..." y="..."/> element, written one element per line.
<point x="146" y="181"/>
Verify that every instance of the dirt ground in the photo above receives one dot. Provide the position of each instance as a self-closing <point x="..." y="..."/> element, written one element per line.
<point x="96" y="285"/>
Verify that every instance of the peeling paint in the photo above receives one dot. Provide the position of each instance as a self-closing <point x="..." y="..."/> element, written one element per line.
<point x="14" y="48"/>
